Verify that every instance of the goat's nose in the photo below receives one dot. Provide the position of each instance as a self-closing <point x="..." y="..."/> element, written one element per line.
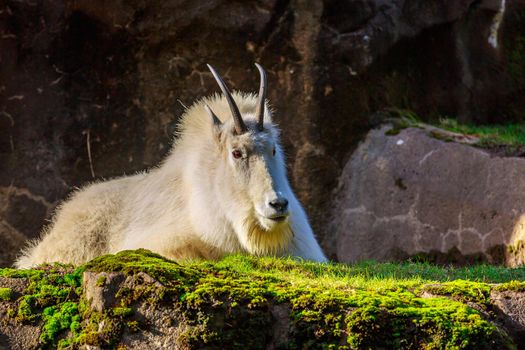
<point x="279" y="204"/>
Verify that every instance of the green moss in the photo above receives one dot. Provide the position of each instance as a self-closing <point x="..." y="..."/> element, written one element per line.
<point x="229" y="303"/>
<point x="98" y="329"/>
<point x="14" y="273"/>
<point x="392" y="132"/>
<point x="141" y="260"/>
<point x="101" y="281"/>
<point x="515" y="286"/>
<point x="122" y="311"/>
<point x="384" y="309"/>
<point x="26" y="309"/>
<point x="10" y="312"/>
<point x="57" y="320"/>
<point x="465" y="291"/>
<point x="133" y="326"/>
<point x="50" y="298"/>
<point x="439" y="324"/>
<point x="440" y="136"/>
<point x="6" y="294"/>
<point x="400" y="119"/>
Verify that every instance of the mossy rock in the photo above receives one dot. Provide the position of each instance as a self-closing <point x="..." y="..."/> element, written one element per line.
<point x="249" y="302"/>
<point x="6" y="294"/>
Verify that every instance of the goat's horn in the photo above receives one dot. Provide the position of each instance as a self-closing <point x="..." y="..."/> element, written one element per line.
<point x="213" y="116"/>
<point x="259" y="112"/>
<point x="240" y="127"/>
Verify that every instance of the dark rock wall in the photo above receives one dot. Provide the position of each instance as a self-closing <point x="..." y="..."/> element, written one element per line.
<point x="91" y="89"/>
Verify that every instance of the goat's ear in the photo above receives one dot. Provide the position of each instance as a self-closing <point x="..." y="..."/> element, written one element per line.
<point x="217" y="133"/>
<point x="216" y="124"/>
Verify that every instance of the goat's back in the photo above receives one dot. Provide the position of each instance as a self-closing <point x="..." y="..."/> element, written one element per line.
<point x="83" y="224"/>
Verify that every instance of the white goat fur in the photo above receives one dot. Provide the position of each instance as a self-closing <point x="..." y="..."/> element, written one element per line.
<point x="193" y="205"/>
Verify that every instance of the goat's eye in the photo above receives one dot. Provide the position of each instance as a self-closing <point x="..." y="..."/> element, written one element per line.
<point x="236" y="154"/>
<point x="273" y="152"/>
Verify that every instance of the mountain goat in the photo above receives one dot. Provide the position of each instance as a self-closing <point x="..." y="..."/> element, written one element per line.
<point x="222" y="189"/>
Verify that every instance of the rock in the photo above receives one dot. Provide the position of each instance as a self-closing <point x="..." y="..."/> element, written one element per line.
<point x="103" y="291"/>
<point x="510" y="306"/>
<point x="149" y="302"/>
<point x="17" y="285"/>
<point x="14" y="335"/>
<point x="162" y="330"/>
<point x="100" y="289"/>
<point x="108" y="76"/>
<point x="10" y="243"/>
<point x="412" y="194"/>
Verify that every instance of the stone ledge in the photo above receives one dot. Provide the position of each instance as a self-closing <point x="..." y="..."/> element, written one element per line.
<point x="137" y="299"/>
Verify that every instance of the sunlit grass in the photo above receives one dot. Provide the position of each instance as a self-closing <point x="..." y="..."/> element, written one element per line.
<point x="509" y="134"/>
<point x="370" y="275"/>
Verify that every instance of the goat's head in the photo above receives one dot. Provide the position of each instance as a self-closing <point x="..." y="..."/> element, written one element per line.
<point x="254" y="171"/>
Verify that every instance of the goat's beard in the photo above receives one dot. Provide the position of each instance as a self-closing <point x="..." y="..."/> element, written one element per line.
<point x="261" y="241"/>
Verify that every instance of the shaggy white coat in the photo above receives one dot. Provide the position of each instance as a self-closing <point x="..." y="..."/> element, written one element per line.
<point x="198" y="203"/>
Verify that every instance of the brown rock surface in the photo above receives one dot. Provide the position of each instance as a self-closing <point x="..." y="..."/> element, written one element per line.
<point x="413" y="194"/>
<point x="510" y="306"/>
<point x="78" y="75"/>
<point x="13" y="334"/>
<point x="100" y="289"/>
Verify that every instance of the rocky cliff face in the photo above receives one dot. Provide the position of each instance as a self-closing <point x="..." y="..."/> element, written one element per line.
<point x="91" y="89"/>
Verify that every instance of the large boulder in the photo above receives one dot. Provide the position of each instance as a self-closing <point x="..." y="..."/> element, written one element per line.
<point x="420" y="193"/>
<point x="90" y="89"/>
